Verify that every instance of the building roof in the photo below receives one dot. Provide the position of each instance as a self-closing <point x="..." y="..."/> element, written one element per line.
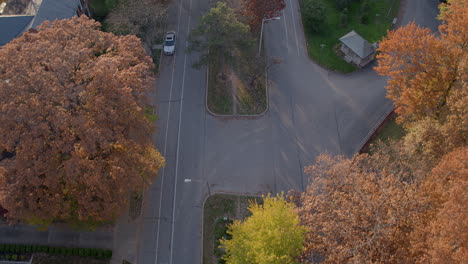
<point x="357" y="44"/>
<point x="55" y="9"/>
<point x="12" y="26"/>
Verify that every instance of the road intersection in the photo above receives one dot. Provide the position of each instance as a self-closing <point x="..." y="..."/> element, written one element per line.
<point x="311" y="111"/>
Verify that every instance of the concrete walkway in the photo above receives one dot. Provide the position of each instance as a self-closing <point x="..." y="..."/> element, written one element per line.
<point x="57" y="235"/>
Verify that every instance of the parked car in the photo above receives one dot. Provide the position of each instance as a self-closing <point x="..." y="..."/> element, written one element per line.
<point x="170" y="43"/>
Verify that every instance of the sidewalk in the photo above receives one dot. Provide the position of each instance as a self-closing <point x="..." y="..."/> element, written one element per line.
<point x="56" y="235"/>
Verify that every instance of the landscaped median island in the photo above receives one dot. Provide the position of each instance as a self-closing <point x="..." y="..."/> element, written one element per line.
<point x="238" y="88"/>
<point x="326" y="21"/>
<point x="219" y="211"/>
<point x="228" y="38"/>
<point x="267" y="228"/>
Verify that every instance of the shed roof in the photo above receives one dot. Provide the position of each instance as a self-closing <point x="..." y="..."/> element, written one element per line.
<point x="357" y="44"/>
<point x="12" y="26"/>
<point x="55" y="9"/>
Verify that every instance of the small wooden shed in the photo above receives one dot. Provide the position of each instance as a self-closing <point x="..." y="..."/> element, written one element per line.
<point x="356" y="49"/>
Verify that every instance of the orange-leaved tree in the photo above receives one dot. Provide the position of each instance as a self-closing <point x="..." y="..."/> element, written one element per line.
<point x="423" y="68"/>
<point x="357" y="211"/>
<point x="257" y="10"/>
<point x="75" y="138"/>
<point x="442" y="234"/>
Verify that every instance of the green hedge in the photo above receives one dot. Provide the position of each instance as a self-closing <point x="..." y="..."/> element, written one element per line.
<point x="85" y="252"/>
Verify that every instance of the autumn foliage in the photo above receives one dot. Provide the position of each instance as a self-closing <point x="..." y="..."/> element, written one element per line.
<point x="356" y="212"/>
<point x="257" y="10"/>
<point x="423" y="68"/>
<point x="442" y="235"/>
<point x="74" y="138"/>
<point x="405" y="203"/>
<point x="271" y="235"/>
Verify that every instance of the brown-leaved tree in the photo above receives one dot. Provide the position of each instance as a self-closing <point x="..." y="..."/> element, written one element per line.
<point x="75" y="137"/>
<point x="257" y="10"/>
<point x="357" y="211"/>
<point x="442" y="233"/>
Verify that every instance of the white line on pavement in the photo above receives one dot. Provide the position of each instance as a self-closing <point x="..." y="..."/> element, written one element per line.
<point x="165" y="143"/>
<point x="286" y="31"/>
<point x="294" y="26"/>
<point x="178" y="139"/>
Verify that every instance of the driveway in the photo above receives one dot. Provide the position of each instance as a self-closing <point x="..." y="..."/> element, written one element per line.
<point x="312" y="111"/>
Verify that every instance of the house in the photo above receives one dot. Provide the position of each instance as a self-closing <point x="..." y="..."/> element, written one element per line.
<point x="18" y="16"/>
<point x="356" y="49"/>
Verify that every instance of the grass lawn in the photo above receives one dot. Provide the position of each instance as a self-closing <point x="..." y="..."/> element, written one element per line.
<point x="389" y="130"/>
<point x="100" y="9"/>
<point x="332" y="30"/>
<point x="219" y="94"/>
<point x="217" y="207"/>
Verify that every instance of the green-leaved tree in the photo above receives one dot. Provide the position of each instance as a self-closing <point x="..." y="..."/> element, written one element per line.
<point x="218" y="34"/>
<point x="272" y="235"/>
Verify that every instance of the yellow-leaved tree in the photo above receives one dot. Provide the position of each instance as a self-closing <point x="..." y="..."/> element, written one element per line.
<point x="271" y="235"/>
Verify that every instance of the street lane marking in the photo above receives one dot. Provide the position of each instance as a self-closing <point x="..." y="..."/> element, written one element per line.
<point x="165" y="144"/>
<point x="294" y="26"/>
<point x="286" y="32"/>
<point x="178" y="140"/>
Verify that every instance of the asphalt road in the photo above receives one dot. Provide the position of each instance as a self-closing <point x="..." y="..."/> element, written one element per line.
<point x="311" y="111"/>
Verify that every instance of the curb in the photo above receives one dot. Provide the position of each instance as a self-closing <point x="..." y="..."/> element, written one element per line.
<point x="374" y="128"/>
<point x="267" y="93"/>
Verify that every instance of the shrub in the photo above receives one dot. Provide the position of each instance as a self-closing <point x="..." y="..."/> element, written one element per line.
<point x="108" y="253"/>
<point x="44" y="249"/>
<point x="76" y="251"/>
<point x="28" y="249"/>
<point x="365" y="9"/>
<point x="55" y="250"/>
<point x="81" y="252"/>
<point x="342" y="4"/>
<point x="343" y="19"/>
<point x="14" y="257"/>
<point x="365" y="6"/>
<point x="2" y="248"/>
<point x="365" y="19"/>
<point x="314" y="14"/>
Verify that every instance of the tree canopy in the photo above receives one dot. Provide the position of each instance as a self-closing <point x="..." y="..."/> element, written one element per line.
<point x="257" y="10"/>
<point x="75" y="139"/>
<point x="442" y="235"/>
<point x="356" y="211"/>
<point x="271" y="235"/>
<point x="219" y="34"/>
<point x="423" y="69"/>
